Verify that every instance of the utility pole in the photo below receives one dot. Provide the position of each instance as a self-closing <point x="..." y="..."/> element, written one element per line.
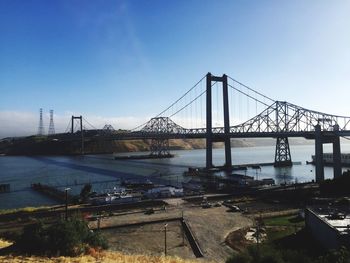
<point x="183" y="230"/>
<point x="165" y="244"/>
<point x="66" y="210"/>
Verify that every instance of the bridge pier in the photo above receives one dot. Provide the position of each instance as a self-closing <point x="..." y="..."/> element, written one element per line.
<point x="336" y="154"/>
<point x="209" y="133"/>
<point x="228" y="158"/>
<point x="282" y="153"/>
<point x="319" y="163"/>
<point x="80" y="119"/>
<point x="160" y="147"/>
<point x="319" y="154"/>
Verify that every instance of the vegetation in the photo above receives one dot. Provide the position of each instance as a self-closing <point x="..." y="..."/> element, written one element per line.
<point x="290" y="220"/>
<point x="85" y="192"/>
<point x="337" y="186"/>
<point x="267" y="253"/>
<point x="282" y="226"/>
<point x="28" y="209"/>
<point x="288" y="242"/>
<point x="70" y="238"/>
<point x="106" y="256"/>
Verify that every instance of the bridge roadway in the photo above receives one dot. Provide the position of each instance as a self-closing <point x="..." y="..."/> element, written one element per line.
<point x="192" y="134"/>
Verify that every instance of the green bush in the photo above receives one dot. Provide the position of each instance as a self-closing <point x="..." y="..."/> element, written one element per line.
<point x="33" y="238"/>
<point x="63" y="238"/>
<point x="240" y="258"/>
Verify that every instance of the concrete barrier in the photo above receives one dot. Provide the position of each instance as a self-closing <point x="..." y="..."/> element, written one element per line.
<point x="191" y="239"/>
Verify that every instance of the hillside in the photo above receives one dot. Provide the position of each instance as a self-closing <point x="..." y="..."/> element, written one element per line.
<point x="36" y="145"/>
<point x="43" y="145"/>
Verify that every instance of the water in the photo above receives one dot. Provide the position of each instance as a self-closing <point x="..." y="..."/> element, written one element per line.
<point x="105" y="172"/>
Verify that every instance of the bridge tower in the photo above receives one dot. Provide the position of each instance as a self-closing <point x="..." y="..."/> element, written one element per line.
<point x="160" y="148"/>
<point x="320" y="139"/>
<point x="209" y="134"/>
<point x="282" y="153"/>
<point x="80" y="119"/>
<point x="161" y="126"/>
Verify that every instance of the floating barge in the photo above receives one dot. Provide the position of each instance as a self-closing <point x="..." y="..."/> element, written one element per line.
<point x="51" y="192"/>
<point x="143" y="156"/>
<point x="328" y="159"/>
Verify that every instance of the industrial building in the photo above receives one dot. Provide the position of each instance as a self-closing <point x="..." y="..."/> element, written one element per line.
<point x="329" y="226"/>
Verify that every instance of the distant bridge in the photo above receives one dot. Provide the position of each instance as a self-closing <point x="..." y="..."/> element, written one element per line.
<point x="210" y="111"/>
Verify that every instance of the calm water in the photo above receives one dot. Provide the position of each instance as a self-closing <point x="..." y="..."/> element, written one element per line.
<point x="105" y="172"/>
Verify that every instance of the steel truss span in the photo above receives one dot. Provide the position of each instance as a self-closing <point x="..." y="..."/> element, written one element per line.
<point x="277" y="119"/>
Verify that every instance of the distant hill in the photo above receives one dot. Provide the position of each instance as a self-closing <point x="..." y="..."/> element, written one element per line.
<point x="43" y="145"/>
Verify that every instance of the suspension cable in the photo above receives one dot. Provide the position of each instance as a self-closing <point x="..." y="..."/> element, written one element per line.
<point x="188" y="103"/>
<point x="248" y="95"/>
<point x="69" y="124"/>
<point x="181" y="97"/>
<point x="171" y="105"/>
<point x="251" y="89"/>
<point x="89" y="124"/>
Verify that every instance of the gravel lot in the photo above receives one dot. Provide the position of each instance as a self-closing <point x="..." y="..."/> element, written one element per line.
<point x="210" y="227"/>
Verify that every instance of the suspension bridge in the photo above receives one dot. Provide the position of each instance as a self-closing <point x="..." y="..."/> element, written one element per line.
<point x="218" y="108"/>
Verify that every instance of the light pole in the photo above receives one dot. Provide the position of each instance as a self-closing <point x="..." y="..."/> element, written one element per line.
<point x="165" y="247"/>
<point x="66" y="190"/>
<point x="183" y="229"/>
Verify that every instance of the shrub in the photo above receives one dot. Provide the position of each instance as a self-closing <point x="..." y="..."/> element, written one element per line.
<point x="33" y="238"/>
<point x="63" y="238"/>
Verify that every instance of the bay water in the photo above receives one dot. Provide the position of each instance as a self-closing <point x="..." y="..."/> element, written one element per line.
<point x="104" y="172"/>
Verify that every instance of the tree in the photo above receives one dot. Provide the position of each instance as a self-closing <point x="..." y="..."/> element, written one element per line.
<point x="85" y="191"/>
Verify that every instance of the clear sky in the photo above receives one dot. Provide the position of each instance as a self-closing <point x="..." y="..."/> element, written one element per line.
<point x="121" y="62"/>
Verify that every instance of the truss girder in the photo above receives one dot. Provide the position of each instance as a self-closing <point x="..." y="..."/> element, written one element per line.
<point x="280" y="117"/>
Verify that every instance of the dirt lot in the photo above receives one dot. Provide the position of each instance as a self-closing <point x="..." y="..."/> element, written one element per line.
<point x="149" y="238"/>
<point x="210" y="227"/>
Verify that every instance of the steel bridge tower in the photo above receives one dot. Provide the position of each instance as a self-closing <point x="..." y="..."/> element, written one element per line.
<point x="282" y="153"/>
<point x="209" y="134"/>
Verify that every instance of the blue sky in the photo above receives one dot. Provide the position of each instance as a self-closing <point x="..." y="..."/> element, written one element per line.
<point x="124" y="61"/>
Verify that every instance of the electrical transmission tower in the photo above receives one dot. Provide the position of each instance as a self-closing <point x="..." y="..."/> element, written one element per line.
<point x="41" y="123"/>
<point x="52" y="125"/>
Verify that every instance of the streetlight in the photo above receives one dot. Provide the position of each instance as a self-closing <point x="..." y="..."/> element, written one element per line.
<point x="66" y="190"/>
<point x="165" y="248"/>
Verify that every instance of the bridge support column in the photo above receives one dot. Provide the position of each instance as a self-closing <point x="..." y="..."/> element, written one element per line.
<point x="228" y="158"/>
<point x="209" y="135"/>
<point x="319" y="154"/>
<point x="336" y="154"/>
<point x="160" y="147"/>
<point x="282" y="153"/>
<point x="80" y="119"/>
